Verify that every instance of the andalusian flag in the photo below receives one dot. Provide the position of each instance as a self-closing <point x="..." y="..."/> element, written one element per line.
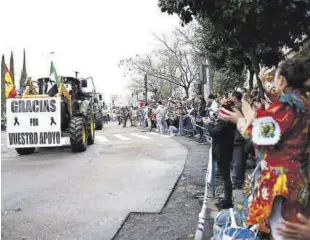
<point x="55" y="81"/>
<point x="10" y="90"/>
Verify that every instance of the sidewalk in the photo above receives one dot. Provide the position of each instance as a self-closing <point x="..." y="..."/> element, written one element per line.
<point x="179" y="218"/>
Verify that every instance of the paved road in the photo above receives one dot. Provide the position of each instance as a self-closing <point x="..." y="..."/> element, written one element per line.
<point x="56" y="194"/>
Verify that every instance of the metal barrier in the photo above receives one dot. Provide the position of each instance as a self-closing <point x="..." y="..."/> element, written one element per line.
<point x="209" y="183"/>
<point x="186" y="124"/>
<point x="192" y="126"/>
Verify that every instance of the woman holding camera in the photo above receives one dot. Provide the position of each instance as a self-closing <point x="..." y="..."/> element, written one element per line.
<point x="280" y="134"/>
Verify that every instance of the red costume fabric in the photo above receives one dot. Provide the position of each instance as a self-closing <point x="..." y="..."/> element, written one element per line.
<point x="280" y="134"/>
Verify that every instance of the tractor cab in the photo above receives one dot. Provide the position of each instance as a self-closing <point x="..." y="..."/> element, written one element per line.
<point x="74" y="87"/>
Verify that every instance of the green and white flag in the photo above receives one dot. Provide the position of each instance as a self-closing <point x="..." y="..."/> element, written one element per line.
<point x="55" y="81"/>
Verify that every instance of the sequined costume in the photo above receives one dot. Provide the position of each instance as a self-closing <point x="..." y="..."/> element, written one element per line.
<point x="280" y="134"/>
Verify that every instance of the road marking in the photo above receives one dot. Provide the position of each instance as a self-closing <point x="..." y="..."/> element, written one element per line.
<point x="157" y="134"/>
<point x="101" y="139"/>
<point x="121" y="137"/>
<point x="165" y="136"/>
<point x="140" y="136"/>
<point x="152" y="133"/>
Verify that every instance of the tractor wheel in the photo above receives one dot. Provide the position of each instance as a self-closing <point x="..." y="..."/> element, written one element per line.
<point x="78" y="134"/>
<point x="24" y="151"/>
<point x="99" y="122"/>
<point x="91" y="130"/>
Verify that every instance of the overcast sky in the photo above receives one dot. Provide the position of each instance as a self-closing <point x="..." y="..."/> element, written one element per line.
<point x="88" y="36"/>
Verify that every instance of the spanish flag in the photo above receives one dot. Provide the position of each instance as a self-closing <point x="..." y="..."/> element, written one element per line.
<point x="10" y="90"/>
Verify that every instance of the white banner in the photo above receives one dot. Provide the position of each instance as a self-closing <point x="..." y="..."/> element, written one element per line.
<point x="33" y="122"/>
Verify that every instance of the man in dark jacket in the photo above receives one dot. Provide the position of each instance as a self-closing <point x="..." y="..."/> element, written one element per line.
<point x="200" y="112"/>
<point x="222" y="134"/>
<point x="238" y="159"/>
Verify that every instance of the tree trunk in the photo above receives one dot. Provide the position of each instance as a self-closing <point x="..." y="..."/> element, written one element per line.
<point x="256" y="69"/>
<point x="155" y="96"/>
<point x="251" y="79"/>
<point x="186" y="91"/>
<point x="145" y="87"/>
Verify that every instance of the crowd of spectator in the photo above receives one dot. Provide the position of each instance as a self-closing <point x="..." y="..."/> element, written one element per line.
<point x="278" y="125"/>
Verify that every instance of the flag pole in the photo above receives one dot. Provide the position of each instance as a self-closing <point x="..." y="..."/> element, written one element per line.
<point x="51" y="54"/>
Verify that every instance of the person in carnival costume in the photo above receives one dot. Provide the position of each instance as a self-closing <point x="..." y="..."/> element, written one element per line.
<point x="281" y="134"/>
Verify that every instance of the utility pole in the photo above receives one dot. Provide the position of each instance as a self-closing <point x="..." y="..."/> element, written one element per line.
<point x="145" y="87"/>
<point x="207" y="79"/>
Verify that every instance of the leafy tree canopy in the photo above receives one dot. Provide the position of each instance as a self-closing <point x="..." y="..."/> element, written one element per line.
<point x="252" y="22"/>
<point x="258" y="28"/>
<point x="226" y="80"/>
<point x="251" y="25"/>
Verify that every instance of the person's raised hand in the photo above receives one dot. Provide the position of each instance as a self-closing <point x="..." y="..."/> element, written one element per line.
<point x="257" y="104"/>
<point x="248" y="111"/>
<point x="265" y="74"/>
<point x="296" y="231"/>
<point x="232" y="116"/>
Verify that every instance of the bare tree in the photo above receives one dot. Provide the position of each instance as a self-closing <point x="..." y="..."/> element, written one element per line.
<point x="181" y="62"/>
<point x="160" y="88"/>
<point x="175" y="62"/>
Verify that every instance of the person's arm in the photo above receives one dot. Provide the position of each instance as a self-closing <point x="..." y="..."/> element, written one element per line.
<point x="156" y="110"/>
<point x="267" y="127"/>
<point x="191" y="111"/>
<point x="215" y="130"/>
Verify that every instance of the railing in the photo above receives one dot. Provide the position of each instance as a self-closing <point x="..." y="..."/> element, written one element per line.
<point x="191" y="126"/>
<point x="186" y="124"/>
<point x="209" y="179"/>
